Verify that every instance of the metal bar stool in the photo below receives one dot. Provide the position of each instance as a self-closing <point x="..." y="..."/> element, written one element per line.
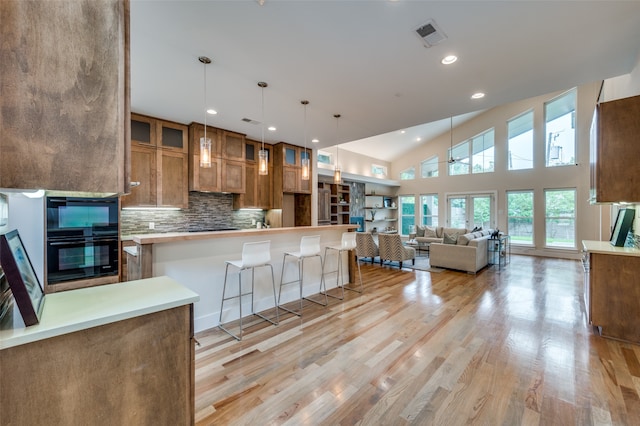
<point x="309" y="247"/>
<point x="254" y="255"/>
<point x="348" y="243"/>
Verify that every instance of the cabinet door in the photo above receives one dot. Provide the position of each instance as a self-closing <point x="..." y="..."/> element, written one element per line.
<point x="173" y="136"/>
<point x="233" y="176"/>
<point x="143" y="130"/>
<point x="290" y="177"/>
<point x="172" y="182"/>
<point x="200" y="178"/>
<point x="143" y="170"/>
<point x="233" y="147"/>
<point x="324" y="206"/>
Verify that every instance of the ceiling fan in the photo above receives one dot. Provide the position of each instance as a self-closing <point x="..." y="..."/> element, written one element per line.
<point x="452" y="160"/>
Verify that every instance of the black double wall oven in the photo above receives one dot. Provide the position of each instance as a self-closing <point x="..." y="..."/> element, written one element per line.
<point x="82" y="238"/>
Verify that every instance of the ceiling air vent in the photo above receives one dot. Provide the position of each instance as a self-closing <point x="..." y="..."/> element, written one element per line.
<point x="430" y="33"/>
<point x="248" y="120"/>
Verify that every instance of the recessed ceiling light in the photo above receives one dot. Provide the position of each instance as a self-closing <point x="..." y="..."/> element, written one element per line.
<point x="402" y="132"/>
<point x="212" y="111"/>
<point x="478" y="95"/>
<point x="448" y="60"/>
<point x="418" y="139"/>
<point x="271" y="128"/>
<point x="315" y="140"/>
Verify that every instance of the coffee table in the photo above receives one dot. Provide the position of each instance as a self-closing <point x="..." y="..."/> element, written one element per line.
<point x="418" y="245"/>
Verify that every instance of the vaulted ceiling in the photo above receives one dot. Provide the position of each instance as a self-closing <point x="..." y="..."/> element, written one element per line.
<point x="364" y="60"/>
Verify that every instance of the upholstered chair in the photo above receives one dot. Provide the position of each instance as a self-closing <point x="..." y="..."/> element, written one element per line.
<point x="391" y="249"/>
<point x="366" y="246"/>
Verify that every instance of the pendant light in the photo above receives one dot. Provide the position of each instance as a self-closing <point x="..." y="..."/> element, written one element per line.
<point x="305" y="157"/>
<point x="263" y="154"/>
<point x="337" y="174"/>
<point x="205" y="143"/>
<point x="451" y="159"/>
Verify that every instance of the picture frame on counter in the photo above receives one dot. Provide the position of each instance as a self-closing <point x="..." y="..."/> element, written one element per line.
<point x="23" y="282"/>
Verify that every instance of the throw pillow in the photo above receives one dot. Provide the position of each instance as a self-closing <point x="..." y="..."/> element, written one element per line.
<point x="430" y="232"/>
<point x="450" y="238"/>
<point x="419" y="231"/>
<point x="463" y="240"/>
<point x="476" y="229"/>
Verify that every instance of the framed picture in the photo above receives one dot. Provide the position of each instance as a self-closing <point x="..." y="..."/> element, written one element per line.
<point x="21" y="277"/>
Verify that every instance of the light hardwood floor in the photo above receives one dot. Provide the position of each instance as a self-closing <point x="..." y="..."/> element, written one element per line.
<point x="510" y="347"/>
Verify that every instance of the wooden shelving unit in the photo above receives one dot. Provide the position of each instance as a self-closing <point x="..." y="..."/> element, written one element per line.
<point x="334" y="206"/>
<point x="384" y="209"/>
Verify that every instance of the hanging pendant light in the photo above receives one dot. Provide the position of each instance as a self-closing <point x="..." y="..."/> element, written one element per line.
<point x="337" y="174"/>
<point x="205" y="143"/>
<point x="263" y="154"/>
<point x="451" y="159"/>
<point x="305" y="158"/>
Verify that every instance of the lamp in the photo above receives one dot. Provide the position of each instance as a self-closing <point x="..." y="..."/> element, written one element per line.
<point x="337" y="174"/>
<point x="263" y="154"/>
<point x="205" y="143"/>
<point x="305" y="158"/>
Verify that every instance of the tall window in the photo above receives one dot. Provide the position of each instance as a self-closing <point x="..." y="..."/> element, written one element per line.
<point x="408" y="174"/>
<point x="520" y="217"/>
<point x="520" y="143"/>
<point x="483" y="153"/>
<point x="429" y="167"/>
<point x="560" y="130"/>
<point x="429" y="203"/>
<point x="460" y="155"/>
<point x="560" y="217"/>
<point x="407" y="214"/>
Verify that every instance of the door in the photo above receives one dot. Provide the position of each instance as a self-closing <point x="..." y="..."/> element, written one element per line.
<point x="471" y="210"/>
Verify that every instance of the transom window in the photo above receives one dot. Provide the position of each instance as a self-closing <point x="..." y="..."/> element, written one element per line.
<point x="560" y="130"/>
<point x="429" y="167"/>
<point x="520" y="143"/>
<point x="476" y="155"/>
<point x="408" y="174"/>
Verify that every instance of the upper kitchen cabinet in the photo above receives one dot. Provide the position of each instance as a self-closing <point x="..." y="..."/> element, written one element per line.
<point x="615" y="151"/>
<point x="227" y="171"/>
<point x="287" y="171"/>
<point x="65" y="95"/>
<point x="258" y="187"/>
<point x="159" y="163"/>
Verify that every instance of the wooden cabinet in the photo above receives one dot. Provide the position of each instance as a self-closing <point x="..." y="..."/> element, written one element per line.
<point x="324" y="203"/>
<point x="613" y="295"/>
<point x="615" y="151"/>
<point x="381" y="213"/>
<point x="227" y="171"/>
<point x="258" y="188"/>
<point x="287" y="172"/>
<point x="158" y="163"/>
<point x="65" y="95"/>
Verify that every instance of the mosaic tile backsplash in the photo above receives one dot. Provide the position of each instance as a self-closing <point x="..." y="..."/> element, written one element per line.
<point x="205" y="211"/>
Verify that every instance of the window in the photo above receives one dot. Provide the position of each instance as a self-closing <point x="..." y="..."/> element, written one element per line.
<point x="560" y="130"/>
<point x="378" y="170"/>
<point x="483" y="153"/>
<point x="408" y="174"/>
<point x="471" y="210"/>
<point x="407" y="213"/>
<point x="324" y="158"/>
<point x="520" y="142"/>
<point x="520" y="217"/>
<point x="429" y="167"/>
<point x="460" y="154"/>
<point x="429" y="203"/>
<point x="560" y="218"/>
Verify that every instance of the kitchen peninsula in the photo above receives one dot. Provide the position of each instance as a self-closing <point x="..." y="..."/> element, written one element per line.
<point x="197" y="259"/>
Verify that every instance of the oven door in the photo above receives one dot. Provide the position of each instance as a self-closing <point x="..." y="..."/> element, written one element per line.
<point x="78" y="259"/>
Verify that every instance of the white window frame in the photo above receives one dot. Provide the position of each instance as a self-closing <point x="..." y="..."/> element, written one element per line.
<point x="512" y="140"/>
<point x="431" y="161"/>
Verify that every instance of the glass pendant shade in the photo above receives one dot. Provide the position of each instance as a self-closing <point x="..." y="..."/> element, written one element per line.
<point x="337" y="175"/>
<point x="305" y="169"/>
<point x="263" y="162"/>
<point x="205" y="152"/>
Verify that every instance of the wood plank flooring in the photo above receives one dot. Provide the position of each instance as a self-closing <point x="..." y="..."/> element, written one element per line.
<point x="510" y="347"/>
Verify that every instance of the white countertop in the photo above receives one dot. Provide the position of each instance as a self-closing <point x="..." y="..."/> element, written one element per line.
<point x="75" y="310"/>
<point x="605" y="247"/>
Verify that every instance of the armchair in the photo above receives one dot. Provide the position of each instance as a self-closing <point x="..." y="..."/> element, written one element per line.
<point x="366" y="246"/>
<point x="391" y="249"/>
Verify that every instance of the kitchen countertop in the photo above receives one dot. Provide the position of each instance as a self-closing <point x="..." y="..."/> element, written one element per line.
<point x="605" y="247"/>
<point x="189" y="236"/>
<point x="75" y="310"/>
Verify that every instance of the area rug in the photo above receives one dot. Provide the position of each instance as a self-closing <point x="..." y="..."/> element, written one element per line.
<point x="422" y="264"/>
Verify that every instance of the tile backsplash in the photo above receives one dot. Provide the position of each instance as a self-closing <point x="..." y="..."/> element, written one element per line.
<point x="205" y="211"/>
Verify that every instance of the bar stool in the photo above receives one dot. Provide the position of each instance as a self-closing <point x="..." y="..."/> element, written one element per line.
<point x="348" y="243"/>
<point x="254" y="255"/>
<point x="309" y="247"/>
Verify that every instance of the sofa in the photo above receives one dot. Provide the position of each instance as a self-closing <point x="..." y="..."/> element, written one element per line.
<point x="434" y="234"/>
<point x="468" y="253"/>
